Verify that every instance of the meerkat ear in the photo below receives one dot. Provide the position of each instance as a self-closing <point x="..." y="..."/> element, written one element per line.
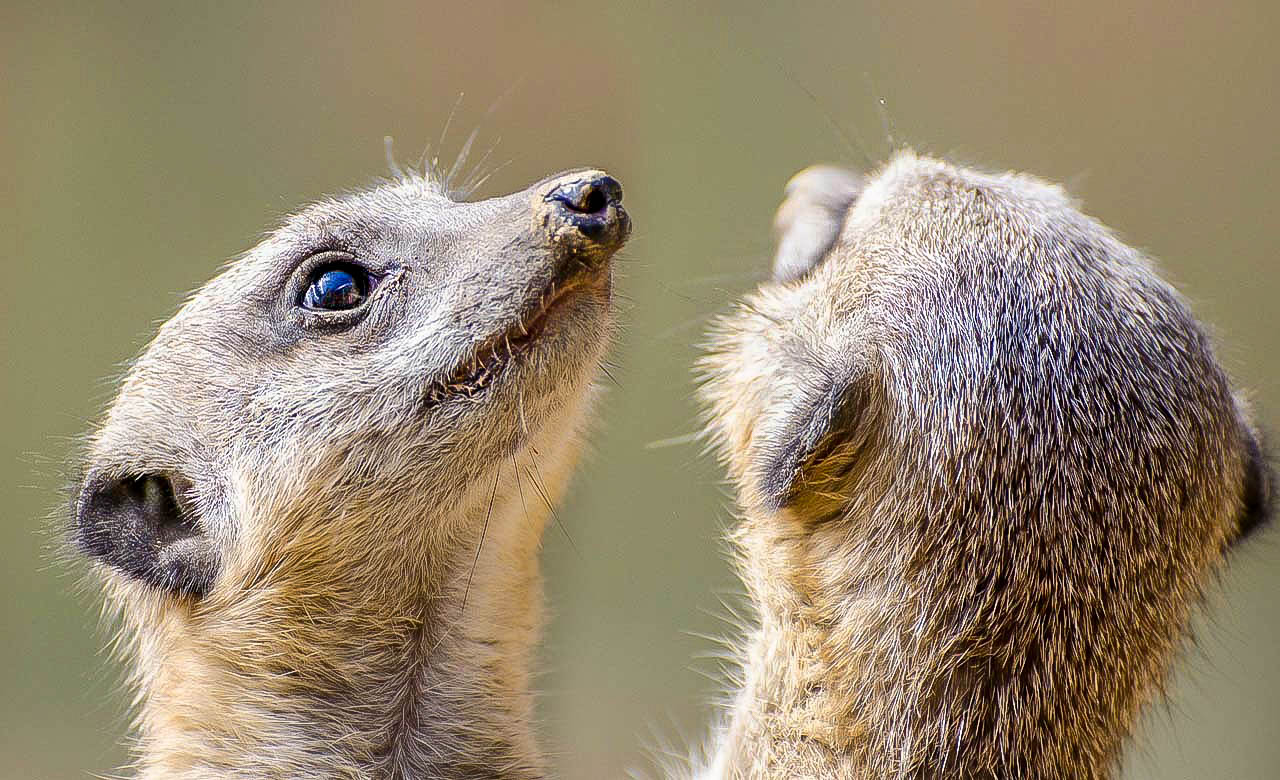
<point x="809" y="221"/>
<point x="1259" y="488"/>
<point x="139" y="525"/>
<point x="808" y="449"/>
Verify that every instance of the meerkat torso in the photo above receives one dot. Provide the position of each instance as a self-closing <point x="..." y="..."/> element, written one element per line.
<point x="318" y="497"/>
<point x="987" y="463"/>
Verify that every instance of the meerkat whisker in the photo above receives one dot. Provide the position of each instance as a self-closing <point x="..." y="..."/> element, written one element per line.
<point x="541" y="489"/>
<point x="484" y="531"/>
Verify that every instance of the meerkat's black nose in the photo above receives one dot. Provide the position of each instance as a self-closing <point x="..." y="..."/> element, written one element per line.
<point x="592" y="204"/>
<point x="588" y="196"/>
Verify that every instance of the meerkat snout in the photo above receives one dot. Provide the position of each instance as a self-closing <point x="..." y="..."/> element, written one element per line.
<point x="317" y="483"/>
<point x="590" y="196"/>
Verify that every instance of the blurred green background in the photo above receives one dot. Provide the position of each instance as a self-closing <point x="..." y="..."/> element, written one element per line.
<point x="141" y="146"/>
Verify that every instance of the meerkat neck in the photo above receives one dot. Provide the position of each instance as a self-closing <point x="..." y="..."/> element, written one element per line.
<point x="788" y="711"/>
<point x="353" y="669"/>
<point x="861" y="670"/>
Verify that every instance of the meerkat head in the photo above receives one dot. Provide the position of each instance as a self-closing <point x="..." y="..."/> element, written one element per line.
<point x="979" y="441"/>
<point x="933" y="315"/>
<point x="347" y="380"/>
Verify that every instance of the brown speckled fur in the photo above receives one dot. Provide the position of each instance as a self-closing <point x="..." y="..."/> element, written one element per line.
<point x="987" y="463"/>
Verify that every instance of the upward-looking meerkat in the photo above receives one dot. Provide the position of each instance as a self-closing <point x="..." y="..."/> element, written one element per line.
<point x="318" y="496"/>
<point x="987" y="463"/>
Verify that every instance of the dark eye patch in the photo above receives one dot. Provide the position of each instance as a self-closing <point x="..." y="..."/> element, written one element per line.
<point x="336" y="287"/>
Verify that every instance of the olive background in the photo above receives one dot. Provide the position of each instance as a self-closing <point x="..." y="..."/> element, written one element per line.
<point x="142" y="145"/>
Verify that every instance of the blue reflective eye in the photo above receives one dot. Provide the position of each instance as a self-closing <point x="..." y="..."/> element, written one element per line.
<point x="333" y="289"/>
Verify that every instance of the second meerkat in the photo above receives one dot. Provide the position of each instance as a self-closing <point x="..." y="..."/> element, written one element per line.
<point x="987" y="463"/>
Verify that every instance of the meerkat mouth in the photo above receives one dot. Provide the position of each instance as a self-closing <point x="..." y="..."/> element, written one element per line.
<point x="492" y="356"/>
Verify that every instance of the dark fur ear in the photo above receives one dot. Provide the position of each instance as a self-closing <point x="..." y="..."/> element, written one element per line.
<point x="1259" y="488"/>
<point x="138" y="525"/>
<point x="815" y="441"/>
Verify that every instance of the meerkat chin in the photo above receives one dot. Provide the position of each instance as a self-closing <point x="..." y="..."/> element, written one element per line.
<point x="987" y="463"/>
<point x="318" y="496"/>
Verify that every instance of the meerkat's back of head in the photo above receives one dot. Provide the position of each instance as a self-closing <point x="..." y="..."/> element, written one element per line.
<point x="988" y="458"/>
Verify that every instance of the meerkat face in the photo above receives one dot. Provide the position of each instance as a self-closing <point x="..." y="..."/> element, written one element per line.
<point x="372" y="357"/>
<point x="938" y="342"/>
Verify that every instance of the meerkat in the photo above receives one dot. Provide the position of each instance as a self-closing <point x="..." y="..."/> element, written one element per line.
<point x="986" y="463"/>
<point x="317" y="498"/>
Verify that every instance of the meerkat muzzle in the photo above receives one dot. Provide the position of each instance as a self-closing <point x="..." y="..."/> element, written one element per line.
<point x="583" y="212"/>
<point x="579" y="224"/>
